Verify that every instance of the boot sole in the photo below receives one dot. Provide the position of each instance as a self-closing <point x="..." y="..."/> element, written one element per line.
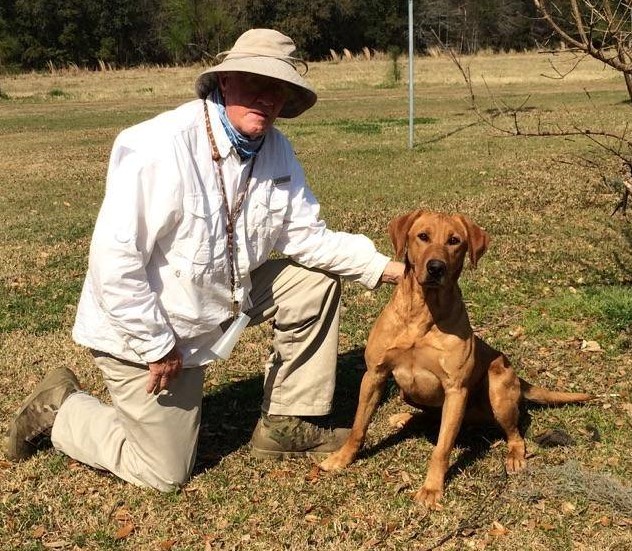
<point x="283" y="455"/>
<point x="10" y="444"/>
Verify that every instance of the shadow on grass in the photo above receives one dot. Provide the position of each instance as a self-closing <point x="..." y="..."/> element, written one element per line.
<point x="473" y="441"/>
<point x="230" y="413"/>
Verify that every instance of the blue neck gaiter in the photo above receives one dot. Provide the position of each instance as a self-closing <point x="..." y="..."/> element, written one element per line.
<point x="246" y="147"/>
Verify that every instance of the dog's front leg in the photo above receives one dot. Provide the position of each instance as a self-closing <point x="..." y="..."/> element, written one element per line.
<point x="371" y="390"/>
<point x="451" y="418"/>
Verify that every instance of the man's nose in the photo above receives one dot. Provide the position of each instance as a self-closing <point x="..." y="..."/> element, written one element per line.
<point x="272" y="94"/>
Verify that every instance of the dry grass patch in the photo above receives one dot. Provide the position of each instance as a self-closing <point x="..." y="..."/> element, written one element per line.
<point x="557" y="275"/>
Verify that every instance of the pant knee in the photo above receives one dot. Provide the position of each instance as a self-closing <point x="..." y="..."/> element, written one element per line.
<point x="165" y="480"/>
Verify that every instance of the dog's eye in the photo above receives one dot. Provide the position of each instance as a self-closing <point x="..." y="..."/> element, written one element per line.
<point x="423" y="236"/>
<point x="454" y="240"/>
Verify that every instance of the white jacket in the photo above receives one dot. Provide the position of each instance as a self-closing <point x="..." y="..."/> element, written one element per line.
<point x="158" y="270"/>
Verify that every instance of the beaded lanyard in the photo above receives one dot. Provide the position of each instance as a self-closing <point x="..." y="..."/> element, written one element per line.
<point x="231" y="215"/>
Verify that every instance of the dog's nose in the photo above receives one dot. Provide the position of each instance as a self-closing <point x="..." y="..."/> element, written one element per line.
<point x="436" y="268"/>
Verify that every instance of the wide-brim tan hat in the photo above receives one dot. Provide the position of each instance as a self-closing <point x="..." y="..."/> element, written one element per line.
<point x="268" y="53"/>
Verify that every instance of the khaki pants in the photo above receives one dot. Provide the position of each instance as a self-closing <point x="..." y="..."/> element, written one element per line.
<point x="151" y="440"/>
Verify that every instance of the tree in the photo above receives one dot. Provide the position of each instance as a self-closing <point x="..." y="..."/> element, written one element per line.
<point x="315" y="26"/>
<point x="600" y="29"/>
<point x="9" y="43"/>
<point x="469" y="25"/>
<point x="192" y="29"/>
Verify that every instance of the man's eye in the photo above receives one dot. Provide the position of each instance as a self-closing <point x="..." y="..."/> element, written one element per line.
<point x="423" y="236"/>
<point x="454" y="240"/>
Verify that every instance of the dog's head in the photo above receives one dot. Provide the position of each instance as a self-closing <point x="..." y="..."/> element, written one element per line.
<point x="434" y="245"/>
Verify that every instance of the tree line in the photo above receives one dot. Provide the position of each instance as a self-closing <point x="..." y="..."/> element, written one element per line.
<point x="34" y="33"/>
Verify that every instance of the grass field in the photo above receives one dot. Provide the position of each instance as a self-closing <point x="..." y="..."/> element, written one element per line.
<point x="557" y="276"/>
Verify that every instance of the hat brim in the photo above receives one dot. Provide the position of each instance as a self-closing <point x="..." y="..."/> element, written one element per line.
<point x="302" y="95"/>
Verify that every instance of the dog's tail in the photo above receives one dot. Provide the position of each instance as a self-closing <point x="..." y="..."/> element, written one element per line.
<point x="545" y="397"/>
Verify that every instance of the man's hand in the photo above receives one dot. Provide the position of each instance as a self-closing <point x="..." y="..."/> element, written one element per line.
<point x="163" y="371"/>
<point x="393" y="272"/>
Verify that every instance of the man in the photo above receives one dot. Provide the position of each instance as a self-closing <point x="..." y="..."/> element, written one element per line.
<point x="196" y="200"/>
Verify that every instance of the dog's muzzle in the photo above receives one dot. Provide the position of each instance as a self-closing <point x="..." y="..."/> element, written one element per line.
<point x="436" y="271"/>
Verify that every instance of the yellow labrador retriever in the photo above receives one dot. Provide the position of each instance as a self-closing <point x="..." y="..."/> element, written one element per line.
<point x="424" y="338"/>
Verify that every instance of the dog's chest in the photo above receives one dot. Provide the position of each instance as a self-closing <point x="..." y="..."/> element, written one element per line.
<point x="425" y="367"/>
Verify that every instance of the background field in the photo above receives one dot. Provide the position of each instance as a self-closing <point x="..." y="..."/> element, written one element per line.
<point x="557" y="276"/>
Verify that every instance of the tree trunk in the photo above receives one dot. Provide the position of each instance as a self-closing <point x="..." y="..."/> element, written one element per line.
<point x="628" y="83"/>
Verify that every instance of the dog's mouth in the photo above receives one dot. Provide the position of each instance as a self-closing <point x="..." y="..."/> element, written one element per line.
<point x="432" y="282"/>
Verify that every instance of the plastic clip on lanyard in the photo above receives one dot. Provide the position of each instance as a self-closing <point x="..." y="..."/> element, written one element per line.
<point x="224" y="346"/>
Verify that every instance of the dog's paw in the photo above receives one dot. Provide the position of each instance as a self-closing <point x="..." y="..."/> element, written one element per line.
<point x="515" y="464"/>
<point x="335" y="462"/>
<point x="516" y="458"/>
<point x="429" y="498"/>
<point x="399" y="420"/>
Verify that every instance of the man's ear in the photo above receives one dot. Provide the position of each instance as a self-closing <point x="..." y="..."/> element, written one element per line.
<point x="398" y="231"/>
<point x="477" y="239"/>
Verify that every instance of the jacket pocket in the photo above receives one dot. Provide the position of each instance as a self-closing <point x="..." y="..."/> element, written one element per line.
<point x="269" y="204"/>
<point x="200" y="246"/>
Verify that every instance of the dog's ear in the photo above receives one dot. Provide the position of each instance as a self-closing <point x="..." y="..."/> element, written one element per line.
<point x="477" y="239"/>
<point x="398" y="230"/>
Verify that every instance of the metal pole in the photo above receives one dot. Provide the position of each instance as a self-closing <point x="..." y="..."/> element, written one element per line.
<point x="411" y="53"/>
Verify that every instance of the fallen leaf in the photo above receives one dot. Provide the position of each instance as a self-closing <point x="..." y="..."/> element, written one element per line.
<point x="310" y="517"/>
<point x="74" y="465"/>
<point x="390" y="527"/>
<point x="55" y="544"/>
<point x="498" y="529"/>
<point x="529" y="524"/>
<point x="124" y="531"/>
<point x="517" y="332"/>
<point x="371" y="543"/>
<point x="314" y="474"/>
<point x="590" y="346"/>
<point x="209" y="542"/>
<point x="166" y="545"/>
<point x="568" y="507"/>
<point x="605" y="521"/>
<point x="38" y="532"/>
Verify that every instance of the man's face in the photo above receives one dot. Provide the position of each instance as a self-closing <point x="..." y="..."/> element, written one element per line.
<point x="253" y="102"/>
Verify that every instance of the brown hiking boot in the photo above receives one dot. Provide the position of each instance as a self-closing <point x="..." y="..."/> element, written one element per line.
<point x="282" y="437"/>
<point x="34" y="420"/>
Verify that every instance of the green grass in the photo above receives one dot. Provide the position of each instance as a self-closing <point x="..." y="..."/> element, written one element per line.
<point x="605" y="311"/>
<point x="558" y="272"/>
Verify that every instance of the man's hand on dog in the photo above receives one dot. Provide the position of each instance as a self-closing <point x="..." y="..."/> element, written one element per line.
<point x="393" y="272"/>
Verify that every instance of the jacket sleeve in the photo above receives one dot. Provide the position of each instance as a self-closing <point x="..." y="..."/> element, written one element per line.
<point x="306" y="239"/>
<point x="140" y="204"/>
